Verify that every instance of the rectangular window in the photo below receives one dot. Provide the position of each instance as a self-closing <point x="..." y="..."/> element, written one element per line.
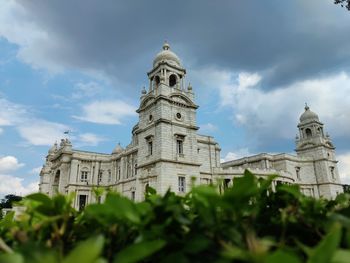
<point x="84" y="175"/>
<point x="297" y="171"/>
<point x="332" y="172"/>
<point x="226" y="183"/>
<point x="119" y="173"/>
<point x="82" y="201"/>
<point x="179" y="147"/>
<point x="109" y="176"/>
<point x="135" y="169"/>
<point x="150" y="148"/>
<point x="182" y="184"/>
<point x="128" y="169"/>
<point x="99" y="178"/>
<point x="133" y="195"/>
<point x="99" y="199"/>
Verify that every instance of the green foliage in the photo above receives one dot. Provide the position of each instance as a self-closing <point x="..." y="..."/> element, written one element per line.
<point x="343" y="3"/>
<point x="8" y="201"/>
<point x="248" y="222"/>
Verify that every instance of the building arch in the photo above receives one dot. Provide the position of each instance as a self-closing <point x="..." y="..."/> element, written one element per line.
<point x="172" y="80"/>
<point x="308" y="133"/>
<point x="56" y="179"/>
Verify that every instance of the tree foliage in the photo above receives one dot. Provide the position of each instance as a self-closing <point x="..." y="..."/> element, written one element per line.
<point x="247" y="223"/>
<point x="343" y="3"/>
<point x="8" y="200"/>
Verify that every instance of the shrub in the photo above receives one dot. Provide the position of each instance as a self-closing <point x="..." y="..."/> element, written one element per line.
<point x="247" y="223"/>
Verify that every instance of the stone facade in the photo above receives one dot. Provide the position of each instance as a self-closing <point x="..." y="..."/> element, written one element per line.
<point x="167" y="152"/>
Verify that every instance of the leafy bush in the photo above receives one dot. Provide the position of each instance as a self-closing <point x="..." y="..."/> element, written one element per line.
<point x="247" y="223"/>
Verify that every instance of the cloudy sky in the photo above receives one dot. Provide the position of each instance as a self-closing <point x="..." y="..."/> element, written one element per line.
<point x="80" y="65"/>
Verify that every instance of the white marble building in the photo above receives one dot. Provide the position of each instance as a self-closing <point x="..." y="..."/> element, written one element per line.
<point x="167" y="152"/>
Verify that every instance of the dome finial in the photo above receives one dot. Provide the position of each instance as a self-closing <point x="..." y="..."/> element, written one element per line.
<point x="166" y="55"/>
<point x="306" y="106"/>
<point x="308" y="115"/>
<point x="166" y="45"/>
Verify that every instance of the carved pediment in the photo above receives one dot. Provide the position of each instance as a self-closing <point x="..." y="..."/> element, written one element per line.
<point x="147" y="101"/>
<point x="181" y="99"/>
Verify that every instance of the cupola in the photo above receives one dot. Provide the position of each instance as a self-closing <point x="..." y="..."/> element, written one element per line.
<point x="166" y="55"/>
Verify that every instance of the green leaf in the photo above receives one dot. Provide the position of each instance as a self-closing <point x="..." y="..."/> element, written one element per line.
<point x="291" y="189"/>
<point x="341" y="256"/>
<point x="41" y="198"/>
<point x="306" y="249"/>
<point x="233" y="252"/>
<point x="282" y="256"/>
<point x="7" y="221"/>
<point x="123" y="208"/>
<point x="243" y="187"/>
<point x="150" y="191"/>
<point x="325" y="250"/>
<point x="139" y="251"/>
<point x="87" y="251"/>
<point x="266" y="183"/>
<point x="196" y="244"/>
<point x="43" y="257"/>
<point x="11" y="258"/>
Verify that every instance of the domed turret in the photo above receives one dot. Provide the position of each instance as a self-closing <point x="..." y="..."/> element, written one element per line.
<point x="167" y="55"/>
<point x="118" y="149"/>
<point x="308" y="115"/>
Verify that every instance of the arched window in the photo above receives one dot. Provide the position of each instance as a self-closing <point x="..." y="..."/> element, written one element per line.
<point x="156" y="81"/>
<point x="308" y="133"/>
<point x="56" y="180"/>
<point x="172" y="80"/>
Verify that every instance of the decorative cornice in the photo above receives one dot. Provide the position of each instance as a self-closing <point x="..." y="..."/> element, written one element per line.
<point x="167" y="161"/>
<point x="167" y="64"/>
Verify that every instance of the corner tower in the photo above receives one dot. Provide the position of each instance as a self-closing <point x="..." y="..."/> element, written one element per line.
<point x="167" y="128"/>
<point x="312" y="143"/>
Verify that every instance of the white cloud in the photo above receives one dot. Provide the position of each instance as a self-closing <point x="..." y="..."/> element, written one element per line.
<point x="40" y="132"/>
<point x="276" y="112"/>
<point x="208" y="127"/>
<point x="240" y="153"/>
<point x="15" y="185"/>
<point x="35" y="131"/>
<point x="9" y="163"/>
<point x="88" y="89"/>
<point x="35" y="45"/>
<point x="11" y="184"/>
<point x="11" y="113"/>
<point x="36" y="170"/>
<point x="89" y="139"/>
<point x="344" y="167"/>
<point x="106" y="112"/>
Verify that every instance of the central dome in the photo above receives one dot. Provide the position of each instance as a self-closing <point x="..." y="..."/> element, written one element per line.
<point x="308" y="115"/>
<point x="168" y="56"/>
